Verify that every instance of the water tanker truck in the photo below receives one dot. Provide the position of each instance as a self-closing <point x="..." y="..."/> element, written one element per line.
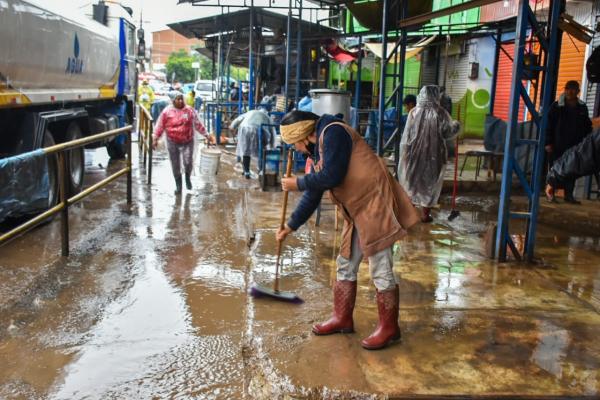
<point x="63" y="75"/>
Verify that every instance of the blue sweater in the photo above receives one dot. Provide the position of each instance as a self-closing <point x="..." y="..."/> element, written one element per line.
<point x="336" y="158"/>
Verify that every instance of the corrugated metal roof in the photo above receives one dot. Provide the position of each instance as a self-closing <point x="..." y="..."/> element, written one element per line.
<point x="238" y="21"/>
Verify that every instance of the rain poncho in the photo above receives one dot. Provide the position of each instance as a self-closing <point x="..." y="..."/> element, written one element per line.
<point x="423" y="149"/>
<point x="146" y="96"/>
<point x="580" y="160"/>
<point x="248" y="126"/>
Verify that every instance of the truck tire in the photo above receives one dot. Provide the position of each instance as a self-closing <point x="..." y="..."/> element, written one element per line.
<point x="52" y="161"/>
<point x="116" y="150"/>
<point x="75" y="160"/>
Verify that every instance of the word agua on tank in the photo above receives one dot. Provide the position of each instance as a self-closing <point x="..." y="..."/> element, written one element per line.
<point x="74" y="64"/>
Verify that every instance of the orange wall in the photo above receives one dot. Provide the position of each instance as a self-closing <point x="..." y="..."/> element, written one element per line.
<point x="503" y="85"/>
<point x="572" y="60"/>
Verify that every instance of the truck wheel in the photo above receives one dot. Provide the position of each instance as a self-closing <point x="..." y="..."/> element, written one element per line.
<point x="75" y="160"/>
<point x="116" y="150"/>
<point x="53" y="183"/>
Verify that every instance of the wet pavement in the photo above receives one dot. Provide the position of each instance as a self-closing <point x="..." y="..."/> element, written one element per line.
<point x="152" y="303"/>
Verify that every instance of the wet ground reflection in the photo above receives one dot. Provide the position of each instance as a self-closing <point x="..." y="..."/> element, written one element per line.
<point x="153" y="304"/>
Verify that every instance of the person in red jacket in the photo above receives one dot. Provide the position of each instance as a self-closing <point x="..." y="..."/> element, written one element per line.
<point x="179" y="121"/>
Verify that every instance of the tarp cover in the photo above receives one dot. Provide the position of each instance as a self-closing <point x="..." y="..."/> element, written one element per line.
<point x="24" y="184"/>
<point x="423" y="152"/>
<point x="580" y="160"/>
<point x="495" y="136"/>
<point x="411" y="51"/>
<point x="369" y="13"/>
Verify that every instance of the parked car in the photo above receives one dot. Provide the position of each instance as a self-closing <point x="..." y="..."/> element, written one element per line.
<point x="205" y="89"/>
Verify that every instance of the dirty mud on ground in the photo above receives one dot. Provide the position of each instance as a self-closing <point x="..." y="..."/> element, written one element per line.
<point x="152" y="303"/>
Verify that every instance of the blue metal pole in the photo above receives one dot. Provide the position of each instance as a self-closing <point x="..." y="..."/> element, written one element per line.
<point x="228" y="60"/>
<point x="400" y="93"/>
<point x="511" y="133"/>
<point x="219" y="113"/>
<point x="251" y="61"/>
<point x="552" y="59"/>
<point x="384" y="33"/>
<point x="288" y="51"/>
<point x="357" y="84"/>
<point x="298" y="55"/>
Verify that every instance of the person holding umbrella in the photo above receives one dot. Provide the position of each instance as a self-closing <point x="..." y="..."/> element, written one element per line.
<point x="377" y="212"/>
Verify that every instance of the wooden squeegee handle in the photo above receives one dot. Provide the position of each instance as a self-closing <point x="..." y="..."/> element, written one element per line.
<point x="288" y="173"/>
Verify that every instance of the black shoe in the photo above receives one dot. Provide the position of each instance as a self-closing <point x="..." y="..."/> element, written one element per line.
<point x="188" y="182"/>
<point x="572" y="200"/>
<point x="178" y="184"/>
<point x="247" y="175"/>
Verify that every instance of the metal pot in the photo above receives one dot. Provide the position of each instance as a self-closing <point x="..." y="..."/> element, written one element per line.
<point x="328" y="101"/>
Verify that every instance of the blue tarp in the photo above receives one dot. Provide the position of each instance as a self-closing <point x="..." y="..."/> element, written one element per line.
<point x="24" y="184"/>
<point x="305" y="104"/>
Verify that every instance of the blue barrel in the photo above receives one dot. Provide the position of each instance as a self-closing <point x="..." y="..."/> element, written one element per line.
<point x="272" y="160"/>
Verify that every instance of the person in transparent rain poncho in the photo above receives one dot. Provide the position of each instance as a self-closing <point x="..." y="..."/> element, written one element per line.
<point x="423" y="152"/>
<point x="248" y="126"/>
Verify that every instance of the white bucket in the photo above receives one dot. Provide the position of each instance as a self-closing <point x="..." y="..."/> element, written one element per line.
<point x="209" y="161"/>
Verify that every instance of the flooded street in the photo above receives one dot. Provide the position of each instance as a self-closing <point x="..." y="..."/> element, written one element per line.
<point x="152" y="303"/>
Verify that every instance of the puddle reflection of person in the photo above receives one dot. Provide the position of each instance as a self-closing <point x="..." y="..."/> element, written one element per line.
<point x="179" y="121"/>
<point x="376" y="213"/>
<point x="180" y="260"/>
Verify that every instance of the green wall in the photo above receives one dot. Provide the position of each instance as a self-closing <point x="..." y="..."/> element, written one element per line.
<point x="412" y="71"/>
<point x="469" y="18"/>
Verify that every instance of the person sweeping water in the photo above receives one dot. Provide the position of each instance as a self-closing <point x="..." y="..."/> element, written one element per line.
<point x="376" y="213"/>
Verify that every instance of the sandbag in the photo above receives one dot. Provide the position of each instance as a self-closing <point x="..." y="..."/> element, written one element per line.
<point x="580" y="160"/>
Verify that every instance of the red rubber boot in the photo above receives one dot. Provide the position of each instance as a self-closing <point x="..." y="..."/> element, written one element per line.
<point x="387" y="329"/>
<point x="344" y="296"/>
<point x="426" y="215"/>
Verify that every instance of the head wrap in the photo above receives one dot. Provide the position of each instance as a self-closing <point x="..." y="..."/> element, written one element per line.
<point x="297" y="131"/>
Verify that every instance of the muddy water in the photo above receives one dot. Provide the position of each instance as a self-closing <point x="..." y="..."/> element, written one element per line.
<point x="470" y="326"/>
<point x="152" y="304"/>
<point x="149" y="304"/>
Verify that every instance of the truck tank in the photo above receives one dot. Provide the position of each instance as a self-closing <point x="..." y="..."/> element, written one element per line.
<point x="51" y="54"/>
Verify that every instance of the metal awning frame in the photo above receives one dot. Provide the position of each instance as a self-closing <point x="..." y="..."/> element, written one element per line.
<point x="320" y="5"/>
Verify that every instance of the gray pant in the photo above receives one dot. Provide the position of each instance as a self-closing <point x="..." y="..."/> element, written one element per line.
<point x="380" y="265"/>
<point x="177" y="152"/>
